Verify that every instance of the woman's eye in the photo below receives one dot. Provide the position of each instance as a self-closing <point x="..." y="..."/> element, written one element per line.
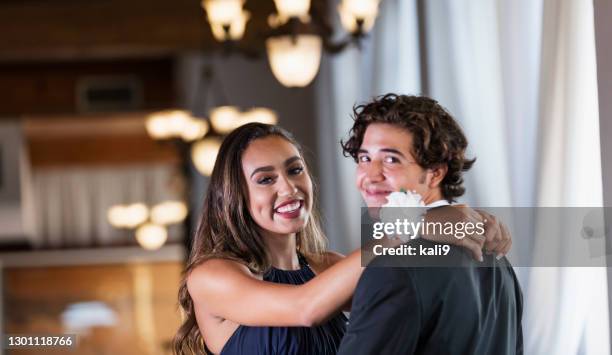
<point x="363" y="159"/>
<point x="264" y="180"/>
<point x="296" y="171"/>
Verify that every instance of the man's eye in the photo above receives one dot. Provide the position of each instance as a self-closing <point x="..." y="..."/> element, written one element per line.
<point x="296" y="171"/>
<point x="363" y="159"/>
<point x="264" y="180"/>
<point x="391" y="160"/>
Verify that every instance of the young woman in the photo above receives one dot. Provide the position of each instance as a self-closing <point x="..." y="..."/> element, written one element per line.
<point x="249" y="286"/>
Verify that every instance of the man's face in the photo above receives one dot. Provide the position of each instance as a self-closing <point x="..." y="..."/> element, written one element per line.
<point x="385" y="164"/>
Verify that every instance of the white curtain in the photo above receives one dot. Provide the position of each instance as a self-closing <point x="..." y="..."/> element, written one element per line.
<point x="353" y="77"/>
<point x="72" y="203"/>
<point x="568" y="310"/>
<point x="520" y="77"/>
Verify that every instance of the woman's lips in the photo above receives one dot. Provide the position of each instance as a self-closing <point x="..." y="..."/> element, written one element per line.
<point x="290" y="209"/>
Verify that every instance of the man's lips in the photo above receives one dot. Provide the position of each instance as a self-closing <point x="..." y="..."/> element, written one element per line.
<point x="377" y="192"/>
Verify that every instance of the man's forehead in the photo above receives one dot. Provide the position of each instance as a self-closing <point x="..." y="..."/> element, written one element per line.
<point x="383" y="135"/>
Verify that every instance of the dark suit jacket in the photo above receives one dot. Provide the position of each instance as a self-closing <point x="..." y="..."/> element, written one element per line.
<point x="436" y="310"/>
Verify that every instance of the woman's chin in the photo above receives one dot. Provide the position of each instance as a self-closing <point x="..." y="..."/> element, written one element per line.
<point x="292" y="227"/>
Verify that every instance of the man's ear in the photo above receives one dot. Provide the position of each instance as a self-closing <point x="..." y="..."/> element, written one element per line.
<point x="437" y="175"/>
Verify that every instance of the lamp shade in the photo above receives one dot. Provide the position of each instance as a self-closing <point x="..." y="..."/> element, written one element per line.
<point x="194" y="129"/>
<point x="175" y="124"/>
<point x="157" y="127"/>
<point x="294" y="60"/>
<point x="236" y="28"/>
<point x="224" y="119"/>
<point x="167" y="124"/>
<point x="292" y="8"/>
<point x="261" y="115"/>
<point x="222" y="11"/>
<point x="151" y="236"/>
<point x="353" y="10"/>
<point x="226" y="13"/>
<point x="204" y="154"/>
<point x="130" y="216"/>
<point x="168" y="212"/>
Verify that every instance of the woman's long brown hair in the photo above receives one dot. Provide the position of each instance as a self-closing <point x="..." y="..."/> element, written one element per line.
<point x="227" y="230"/>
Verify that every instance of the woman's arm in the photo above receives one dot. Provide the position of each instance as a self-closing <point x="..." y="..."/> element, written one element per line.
<point x="228" y="290"/>
<point x="329" y="259"/>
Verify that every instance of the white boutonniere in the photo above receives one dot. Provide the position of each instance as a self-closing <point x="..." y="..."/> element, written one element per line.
<point x="405" y="207"/>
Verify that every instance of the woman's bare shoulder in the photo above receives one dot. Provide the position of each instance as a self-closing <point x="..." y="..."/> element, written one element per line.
<point x="216" y="274"/>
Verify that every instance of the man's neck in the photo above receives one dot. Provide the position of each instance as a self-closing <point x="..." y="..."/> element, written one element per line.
<point x="433" y="196"/>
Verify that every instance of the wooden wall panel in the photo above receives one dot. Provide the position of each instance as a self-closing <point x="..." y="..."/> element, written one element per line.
<point x="142" y="297"/>
<point x="51" y="88"/>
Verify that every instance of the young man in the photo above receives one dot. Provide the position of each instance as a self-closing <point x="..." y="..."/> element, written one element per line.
<point x="412" y="143"/>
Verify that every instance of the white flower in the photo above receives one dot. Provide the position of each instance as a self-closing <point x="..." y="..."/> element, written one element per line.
<point x="405" y="206"/>
<point x="404" y="199"/>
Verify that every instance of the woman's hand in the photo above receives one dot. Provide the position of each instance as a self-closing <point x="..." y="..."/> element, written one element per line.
<point x="496" y="238"/>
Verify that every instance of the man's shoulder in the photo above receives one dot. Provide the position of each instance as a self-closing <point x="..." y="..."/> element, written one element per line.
<point x="377" y="278"/>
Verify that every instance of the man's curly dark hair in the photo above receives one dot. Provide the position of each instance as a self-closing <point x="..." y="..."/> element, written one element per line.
<point x="436" y="137"/>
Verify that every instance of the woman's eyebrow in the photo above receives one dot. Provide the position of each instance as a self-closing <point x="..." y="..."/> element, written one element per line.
<point x="271" y="168"/>
<point x="292" y="159"/>
<point x="263" y="168"/>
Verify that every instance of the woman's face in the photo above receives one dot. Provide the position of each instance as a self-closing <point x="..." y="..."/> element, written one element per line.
<point x="279" y="188"/>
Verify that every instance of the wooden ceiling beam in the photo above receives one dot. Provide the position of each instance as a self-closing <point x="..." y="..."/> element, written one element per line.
<point x="69" y="29"/>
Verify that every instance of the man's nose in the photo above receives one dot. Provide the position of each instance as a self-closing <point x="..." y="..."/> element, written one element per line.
<point x="374" y="171"/>
<point x="286" y="187"/>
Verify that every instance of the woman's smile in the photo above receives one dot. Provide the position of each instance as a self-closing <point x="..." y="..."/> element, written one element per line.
<point x="290" y="209"/>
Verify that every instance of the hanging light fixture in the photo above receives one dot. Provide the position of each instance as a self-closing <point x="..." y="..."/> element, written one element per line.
<point x="358" y="15"/>
<point x="227" y="18"/>
<point x="149" y="224"/>
<point x="287" y="9"/>
<point x="168" y="212"/>
<point x="190" y="133"/>
<point x="294" y="60"/>
<point x="151" y="236"/>
<point x="204" y="154"/>
<point x="261" y="115"/>
<point x="295" y="44"/>
<point x="175" y="124"/>
<point x="127" y="216"/>
<point x="225" y="119"/>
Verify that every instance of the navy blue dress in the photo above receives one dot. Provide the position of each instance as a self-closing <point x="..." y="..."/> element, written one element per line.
<point x="320" y="340"/>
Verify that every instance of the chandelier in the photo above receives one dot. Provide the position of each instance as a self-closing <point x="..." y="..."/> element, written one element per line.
<point x="199" y="138"/>
<point x="297" y="39"/>
<point x="149" y="223"/>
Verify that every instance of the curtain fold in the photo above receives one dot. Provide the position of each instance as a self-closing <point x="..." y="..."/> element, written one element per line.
<point x="72" y="203"/>
<point x="567" y="311"/>
<point x="387" y="62"/>
<point x="519" y="75"/>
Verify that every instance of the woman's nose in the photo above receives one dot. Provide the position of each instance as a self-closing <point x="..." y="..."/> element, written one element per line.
<point x="286" y="186"/>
